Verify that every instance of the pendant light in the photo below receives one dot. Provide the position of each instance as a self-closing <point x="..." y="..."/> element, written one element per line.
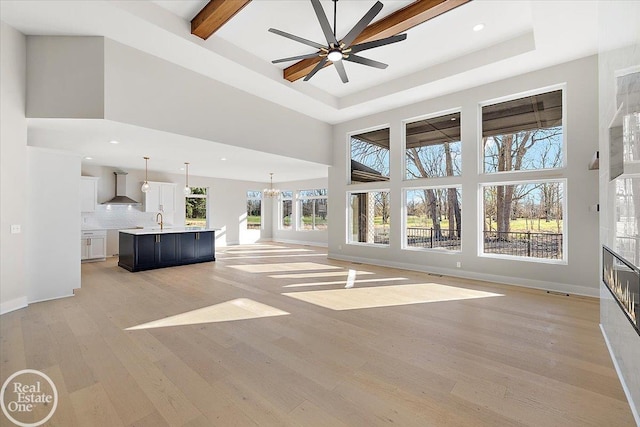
<point x="271" y="192"/>
<point x="145" y="185"/>
<point x="187" y="189"/>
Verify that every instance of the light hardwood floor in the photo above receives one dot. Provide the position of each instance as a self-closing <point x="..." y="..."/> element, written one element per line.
<point x="268" y="335"/>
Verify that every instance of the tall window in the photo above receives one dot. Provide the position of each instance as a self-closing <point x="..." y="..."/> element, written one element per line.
<point x="433" y="218"/>
<point x="533" y="224"/>
<point x="370" y="156"/>
<point x="433" y="147"/>
<point x="312" y="209"/>
<point x="196" y="207"/>
<point x="254" y="210"/>
<point x="369" y="217"/>
<point x="523" y="134"/>
<point x="525" y="216"/>
<point x="286" y="210"/>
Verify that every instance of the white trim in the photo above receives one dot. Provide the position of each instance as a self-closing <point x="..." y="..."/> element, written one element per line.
<point x="505" y="280"/>
<point x="54" y="298"/>
<point x="627" y="393"/>
<point x="13" y="305"/>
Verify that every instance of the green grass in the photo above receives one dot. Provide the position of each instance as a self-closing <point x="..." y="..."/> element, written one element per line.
<point x="521" y="224"/>
<point x="253" y="219"/>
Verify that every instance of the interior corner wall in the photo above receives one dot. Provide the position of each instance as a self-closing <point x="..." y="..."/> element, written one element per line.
<point x="53" y="224"/>
<point x="578" y="276"/>
<point x="65" y="77"/>
<point x="300" y="237"/>
<point x="147" y="91"/>
<point x="13" y="159"/>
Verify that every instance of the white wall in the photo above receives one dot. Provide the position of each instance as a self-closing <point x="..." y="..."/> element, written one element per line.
<point x="65" y="77"/>
<point x="147" y="91"/>
<point x="13" y="177"/>
<point x="579" y="275"/>
<point x="53" y="218"/>
<point x="622" y="339"/>
<point x="302" y="237"/>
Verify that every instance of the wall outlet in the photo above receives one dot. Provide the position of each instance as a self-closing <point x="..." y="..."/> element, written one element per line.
<point x="15" y="229"/>
<point x="458" y="264"/>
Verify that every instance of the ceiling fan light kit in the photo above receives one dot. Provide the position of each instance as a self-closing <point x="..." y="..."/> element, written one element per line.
<point x="335" y="52"/>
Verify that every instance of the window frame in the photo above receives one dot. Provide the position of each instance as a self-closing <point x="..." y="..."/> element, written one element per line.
<point x="261" y="199"/>
<point x="403" y="136"/>
<point x="349" y="135"/>
<point x="299" y="199"/>
<point x="281" y="199"/>
<point x="512" y="97"/>
<point x="206" y="204"/>
<point x="349" y="229"/>
<point x="565" y="228"/>
<point x="404" y="245"/>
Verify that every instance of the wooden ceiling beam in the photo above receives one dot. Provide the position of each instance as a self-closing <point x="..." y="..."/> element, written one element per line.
<point x="398" y="22"/>
<point x="214" y="15"/>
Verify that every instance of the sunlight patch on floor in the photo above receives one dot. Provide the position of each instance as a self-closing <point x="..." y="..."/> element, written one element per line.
<point x="266" y="251"/>
<point x="345" y="282"/>
<point x="232" y="256"/>
<point x="386" y="296"/>
<point x="237" y="309"/>
<point x="318" y="274"/>
<point x="283" y="266"/>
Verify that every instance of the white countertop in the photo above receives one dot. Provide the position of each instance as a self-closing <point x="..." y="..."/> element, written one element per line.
<point x="156" y="230"/>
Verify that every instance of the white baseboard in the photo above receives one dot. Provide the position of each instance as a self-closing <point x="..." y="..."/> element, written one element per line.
<point x="13" y="305"/>
<point x="627" y="393"/>
<point x="506" y="280"/>
<point x="72" y="294"/>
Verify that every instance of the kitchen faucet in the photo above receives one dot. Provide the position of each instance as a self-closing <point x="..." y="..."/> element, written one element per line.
<point x="161" y="220"/>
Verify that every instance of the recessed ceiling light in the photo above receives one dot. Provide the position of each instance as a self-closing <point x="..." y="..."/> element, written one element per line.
<point x="181" y="169"/>
<point x="88" y="158"/>
<point x="453" y="119"/>
<point x="113" y="141"/>
<point x="478" y="27"/>
<point x="223" y="158"/>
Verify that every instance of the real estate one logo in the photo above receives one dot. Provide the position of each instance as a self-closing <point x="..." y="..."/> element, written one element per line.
<point x="29" y="398"/>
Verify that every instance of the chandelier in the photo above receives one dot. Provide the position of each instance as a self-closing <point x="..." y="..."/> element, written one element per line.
<point x="270" y="192"/>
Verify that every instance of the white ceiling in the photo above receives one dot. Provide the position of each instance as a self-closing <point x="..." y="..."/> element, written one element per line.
<point x="440" y="56"/>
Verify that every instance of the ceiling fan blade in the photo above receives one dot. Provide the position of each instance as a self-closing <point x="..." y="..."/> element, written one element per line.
<point x="324" y="22"/>
<point x="316" y="69"/>
<point x="341" y="71"/>
<point x="377" y="43"/>
<point x="298" y="39"/>
<point x="362" y="24"/>
<point x="366" y="61"/>
<point x="295" y="58"/>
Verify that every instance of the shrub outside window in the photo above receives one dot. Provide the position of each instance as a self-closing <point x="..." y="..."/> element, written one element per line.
<point x="369" y="217"/>
<point x="433" y="147"/>
<point x="433" y="218"/>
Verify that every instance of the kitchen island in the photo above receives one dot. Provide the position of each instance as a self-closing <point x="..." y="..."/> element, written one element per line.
<point x="146" y="249"/>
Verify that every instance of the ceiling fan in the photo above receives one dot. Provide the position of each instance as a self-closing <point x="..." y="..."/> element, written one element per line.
<point x="337" y="50"/>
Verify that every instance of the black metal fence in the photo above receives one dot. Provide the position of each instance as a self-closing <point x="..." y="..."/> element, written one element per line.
<point x="422" y="237"/>
<point x="524" y="243"/>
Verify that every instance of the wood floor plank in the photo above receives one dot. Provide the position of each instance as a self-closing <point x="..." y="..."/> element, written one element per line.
<point x="517" y="357"/>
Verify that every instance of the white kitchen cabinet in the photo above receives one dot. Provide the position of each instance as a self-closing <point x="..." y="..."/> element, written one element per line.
<point x="88" y="193"/>
<point x="93" y="245"/>
<point x="161" y="197"/>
